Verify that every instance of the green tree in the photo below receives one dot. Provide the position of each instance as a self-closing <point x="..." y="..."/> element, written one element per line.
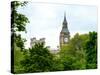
<point x="38" y="59"/>
<point x="20" y="41"/>
<point x="18" y="23"/>
<point x="91" y="51"/>
<point x="18" y="20"/>
<point x="18" y="56"/>
<point x="57" y="63"/>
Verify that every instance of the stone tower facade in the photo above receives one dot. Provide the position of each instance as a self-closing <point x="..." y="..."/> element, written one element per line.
<point x="35" y="41"/>
<point x="64" y="34"/>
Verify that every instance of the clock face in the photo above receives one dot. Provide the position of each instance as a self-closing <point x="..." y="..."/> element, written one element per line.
<point x="65" y="39"/>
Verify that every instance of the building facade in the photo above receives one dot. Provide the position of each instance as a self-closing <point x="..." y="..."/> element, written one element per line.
<point x="34" y="41"/>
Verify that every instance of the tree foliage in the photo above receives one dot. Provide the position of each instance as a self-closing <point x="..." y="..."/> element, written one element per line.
<point x="38" y="59"/>
<point x="91" y="51"/>
<point x="18" y="24"/>
<point x="18" y="56"/>
<point x="73" y="54"/>
<point x="20" y="41"/>
<point x="81" y="52"/>
<point x="77" y="55"/>
<point x="18" y="20"/>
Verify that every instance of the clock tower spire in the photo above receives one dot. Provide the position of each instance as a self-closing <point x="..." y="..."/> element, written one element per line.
<point x="64" y="34"/>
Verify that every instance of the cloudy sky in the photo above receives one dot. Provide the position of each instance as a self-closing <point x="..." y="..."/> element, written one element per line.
<point x="46" y="20"/>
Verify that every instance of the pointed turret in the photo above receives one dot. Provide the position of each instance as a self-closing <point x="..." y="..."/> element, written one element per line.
<point x="65" y="27"/>
<point x="65" y="21"/>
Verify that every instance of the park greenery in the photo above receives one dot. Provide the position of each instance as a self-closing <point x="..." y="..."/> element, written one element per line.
<point x="79" y="54"/>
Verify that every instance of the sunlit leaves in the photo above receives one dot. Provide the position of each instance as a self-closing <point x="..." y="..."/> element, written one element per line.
<point x="18" y="20"/>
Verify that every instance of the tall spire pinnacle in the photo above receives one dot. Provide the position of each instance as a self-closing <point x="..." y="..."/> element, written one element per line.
<point x="64" y="16"/>
<point x="65" y="21"/>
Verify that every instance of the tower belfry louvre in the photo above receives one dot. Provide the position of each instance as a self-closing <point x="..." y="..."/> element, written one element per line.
<point x="64" y="34"/>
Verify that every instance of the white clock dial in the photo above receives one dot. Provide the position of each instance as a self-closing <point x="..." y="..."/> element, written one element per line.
<point x="66" y="39"/>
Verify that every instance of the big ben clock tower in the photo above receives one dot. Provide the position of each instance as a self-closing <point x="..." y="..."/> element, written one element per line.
<point x="64" y="34"/>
